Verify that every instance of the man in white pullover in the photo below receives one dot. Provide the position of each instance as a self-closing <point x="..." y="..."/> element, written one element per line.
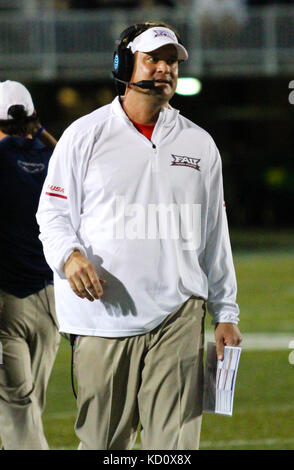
<point x="133" y="224"/>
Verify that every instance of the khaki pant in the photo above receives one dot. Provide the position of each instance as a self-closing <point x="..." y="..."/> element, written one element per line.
<point x="155" y="379"/>
<point x="30" y="339"/>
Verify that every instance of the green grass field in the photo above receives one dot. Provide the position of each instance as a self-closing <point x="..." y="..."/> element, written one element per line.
<point x="264" y="396"/>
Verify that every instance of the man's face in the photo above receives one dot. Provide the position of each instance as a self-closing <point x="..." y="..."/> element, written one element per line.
<point x="161" y="66"/>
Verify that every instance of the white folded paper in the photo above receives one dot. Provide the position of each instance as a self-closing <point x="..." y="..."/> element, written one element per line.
<point x="220" y="379"/>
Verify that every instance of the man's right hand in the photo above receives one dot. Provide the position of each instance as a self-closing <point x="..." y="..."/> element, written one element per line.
<point x="82" y="277"/>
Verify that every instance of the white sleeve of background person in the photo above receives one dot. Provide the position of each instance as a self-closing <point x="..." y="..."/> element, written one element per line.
<point x="59" y="215"/>
<point x="218" y="260"/>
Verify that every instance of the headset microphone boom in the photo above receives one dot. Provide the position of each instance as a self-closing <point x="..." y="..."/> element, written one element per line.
<point x="146" y="84"/>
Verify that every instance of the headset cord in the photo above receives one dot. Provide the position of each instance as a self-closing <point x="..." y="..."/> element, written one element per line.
<point x="72" y="343"/>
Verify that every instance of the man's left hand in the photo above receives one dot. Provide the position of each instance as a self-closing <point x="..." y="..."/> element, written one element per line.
<point x="226" y="334"/>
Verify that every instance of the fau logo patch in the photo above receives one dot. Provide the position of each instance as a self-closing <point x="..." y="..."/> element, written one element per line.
<point x="179" y="160"/>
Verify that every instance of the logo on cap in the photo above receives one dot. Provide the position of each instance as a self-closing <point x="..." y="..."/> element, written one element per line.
<point x="160" y="32"/>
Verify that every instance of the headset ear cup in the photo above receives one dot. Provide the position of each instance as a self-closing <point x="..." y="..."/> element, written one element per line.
<point x="123" y="58"/>
<point x="116" y="71"/>
<point x="123" y="61"/>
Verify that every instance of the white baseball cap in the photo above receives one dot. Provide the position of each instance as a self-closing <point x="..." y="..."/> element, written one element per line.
<point x="156" y="37"/>
<point x="13" y="93"/>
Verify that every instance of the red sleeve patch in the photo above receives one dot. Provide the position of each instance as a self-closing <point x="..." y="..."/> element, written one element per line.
<point x="56" y="191"/>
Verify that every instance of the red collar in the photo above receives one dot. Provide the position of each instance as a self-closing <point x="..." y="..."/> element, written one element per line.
<point x="145" y="129"/>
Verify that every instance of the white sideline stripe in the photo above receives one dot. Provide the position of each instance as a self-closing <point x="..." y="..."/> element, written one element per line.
<point x="228" y="443"/>
<point x="245" y="442"/>
<point x="260" y="341"/>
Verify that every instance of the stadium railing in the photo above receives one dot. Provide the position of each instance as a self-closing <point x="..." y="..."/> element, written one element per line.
<point x="51" y="44"/>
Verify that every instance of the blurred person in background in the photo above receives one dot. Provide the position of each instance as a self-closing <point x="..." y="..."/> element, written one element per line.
<point x="139" y="347"/>
<point x="28" y="326"/>
<point x="220" y="20"/>
<point x="220" y="10"/>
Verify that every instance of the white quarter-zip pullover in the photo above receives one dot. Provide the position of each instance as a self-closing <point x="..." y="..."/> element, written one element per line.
<point x="128" y="204"/>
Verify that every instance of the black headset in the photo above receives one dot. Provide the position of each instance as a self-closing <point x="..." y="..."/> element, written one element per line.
<point x="123" y="58"/>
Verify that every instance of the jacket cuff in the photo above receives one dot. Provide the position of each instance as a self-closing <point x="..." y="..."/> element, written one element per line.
<point x="225" y="317"/>
<point x="64" y="258"/>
